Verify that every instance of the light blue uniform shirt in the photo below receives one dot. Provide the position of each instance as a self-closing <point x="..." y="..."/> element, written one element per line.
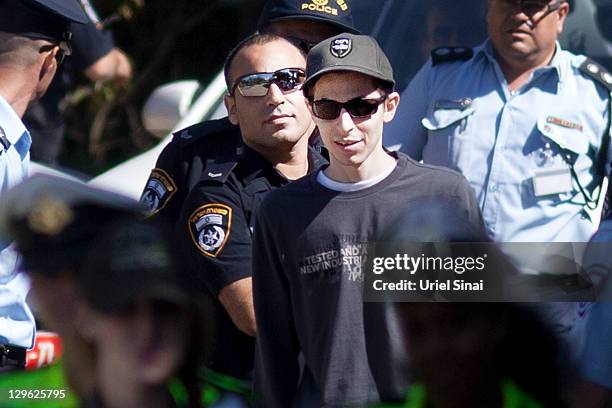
<point x="462" y="115"/>
<point x="16" y="320"/>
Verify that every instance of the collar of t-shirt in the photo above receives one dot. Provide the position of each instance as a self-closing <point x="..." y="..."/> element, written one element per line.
<point x="351" y="187"/>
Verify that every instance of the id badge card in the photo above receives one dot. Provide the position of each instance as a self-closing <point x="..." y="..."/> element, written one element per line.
<point x="556" y="180"/>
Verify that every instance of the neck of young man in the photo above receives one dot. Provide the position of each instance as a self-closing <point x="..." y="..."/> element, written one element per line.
<point x="377" y="163"/>
<point x="518" y="71"/>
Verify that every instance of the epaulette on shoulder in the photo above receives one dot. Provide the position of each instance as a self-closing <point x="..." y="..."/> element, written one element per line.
<point x="448" y="54"/>
<point x="597" y="73"/>
<point x="191" y="134"/>
<point x="218" y="171"/>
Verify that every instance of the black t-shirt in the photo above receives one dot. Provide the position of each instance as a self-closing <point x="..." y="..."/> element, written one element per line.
<point x="309" y="246"/>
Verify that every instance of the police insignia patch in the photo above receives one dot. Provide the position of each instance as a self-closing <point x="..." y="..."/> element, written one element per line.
<point x="160" y="188"/>
<point x="341" y="47"/>
<point x="210" y="227"/>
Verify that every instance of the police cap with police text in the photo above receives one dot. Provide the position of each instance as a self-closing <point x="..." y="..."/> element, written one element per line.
<point x="348" y="52"/>
<point x="41" y="19"/>
<point x="53" y="220"/>
<point x="334" y="12"/>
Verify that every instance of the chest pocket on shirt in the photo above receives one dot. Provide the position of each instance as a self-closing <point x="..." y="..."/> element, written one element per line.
<point x="449" y="129"/>
<point x="561" y="143"/>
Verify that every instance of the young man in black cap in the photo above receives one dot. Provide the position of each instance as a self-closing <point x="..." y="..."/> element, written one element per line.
<point x="310" y="240"/>
<point x="34" y="36"/>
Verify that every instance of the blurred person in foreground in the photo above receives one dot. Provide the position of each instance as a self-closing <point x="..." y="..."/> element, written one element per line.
<point x="210" y="179"/>
<point x="112" y="287"/>
<point x="311" y="236"/>
<point x="34" y="37"/>
<point x="493" y="355"/>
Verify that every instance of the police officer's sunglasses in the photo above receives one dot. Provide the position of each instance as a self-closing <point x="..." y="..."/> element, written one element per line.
<point x="258" y="84"/>
<point x="361" y="107"/>
<point x="64" y="50"/>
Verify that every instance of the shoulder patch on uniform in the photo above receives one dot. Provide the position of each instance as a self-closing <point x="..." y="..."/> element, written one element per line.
<point x="210" y="227"/>
<point x="159" y="189"/>
<point x="447" y="54"/>
<point x="218" y="171"/>
<point x="597" y="72"/>
<point x="195" y="132"/>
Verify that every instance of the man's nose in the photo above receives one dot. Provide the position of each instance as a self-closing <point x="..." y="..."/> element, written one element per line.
<point x="275" y="95"/>
<point x="346" y="121"/>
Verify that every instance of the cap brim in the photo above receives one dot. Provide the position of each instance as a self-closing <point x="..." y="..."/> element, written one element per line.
<point x="62" y="10"/>
<point x="310" y="17"/>
<point x="342" y="68"/>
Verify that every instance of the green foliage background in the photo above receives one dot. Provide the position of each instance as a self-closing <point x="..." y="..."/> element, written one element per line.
<point x="166" y="40"/>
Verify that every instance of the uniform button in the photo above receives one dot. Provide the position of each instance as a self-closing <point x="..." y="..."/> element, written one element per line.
<point x="493" y="188"/>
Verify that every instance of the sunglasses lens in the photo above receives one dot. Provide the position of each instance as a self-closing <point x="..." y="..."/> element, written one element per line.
<point x="361" y="107"/>
<point x="326" y="109"/>
<point x="288" y="79"/>
<point x="254" y="85"/>
<point x="357" y="108"/>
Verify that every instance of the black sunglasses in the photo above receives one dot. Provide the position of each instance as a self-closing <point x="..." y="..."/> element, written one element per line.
<point x="258" y="84"/>
<point x="358" y="108"/>
<point x="63" y="51"/>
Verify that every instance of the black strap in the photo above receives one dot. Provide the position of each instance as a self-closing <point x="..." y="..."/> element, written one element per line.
<point x="600" y="165"/>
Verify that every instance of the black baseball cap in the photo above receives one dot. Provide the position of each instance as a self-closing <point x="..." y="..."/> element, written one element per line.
<point x="133" y="259"/>
<point x="348" y="52"/>
<point x="54" y="221"/>
<point x="334" y="12"/>
<point x="41" y="19"/>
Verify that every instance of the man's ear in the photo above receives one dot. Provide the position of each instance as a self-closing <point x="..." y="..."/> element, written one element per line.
<point x="47" y="71"/>
<point x="562" y="12"/>
<point x="230" y="105"/>
<point x="391" y="104"/>
<point x="49" y="65"/>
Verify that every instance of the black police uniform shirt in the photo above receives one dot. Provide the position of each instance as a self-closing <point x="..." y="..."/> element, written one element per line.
<point x="181" y="163"/>
<point x="309" y="246"/>
<point x="215" y="228"/>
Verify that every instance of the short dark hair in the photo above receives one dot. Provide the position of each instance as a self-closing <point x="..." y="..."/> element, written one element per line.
<point x="253" y="39"/>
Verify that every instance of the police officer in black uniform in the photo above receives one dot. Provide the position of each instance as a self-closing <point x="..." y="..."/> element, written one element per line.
<point x="182" y="161"/>
<point x="227" y="180"/>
